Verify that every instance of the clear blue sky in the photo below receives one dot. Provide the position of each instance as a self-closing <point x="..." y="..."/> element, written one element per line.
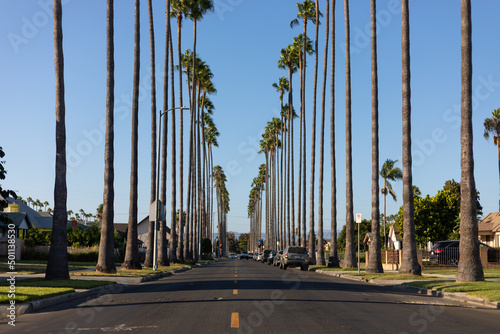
<point x="241" y="42"/>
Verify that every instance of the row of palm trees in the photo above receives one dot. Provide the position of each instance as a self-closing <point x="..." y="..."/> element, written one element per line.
<point x="190" y="222"/>
<point x="276" y="175"/>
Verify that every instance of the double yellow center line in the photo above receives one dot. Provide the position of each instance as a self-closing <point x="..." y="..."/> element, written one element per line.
<point x="235" y="316"/>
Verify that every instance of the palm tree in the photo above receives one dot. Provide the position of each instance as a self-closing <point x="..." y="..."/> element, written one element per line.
<point x="197" y="8"/>
<point x="45" y="204"/>
<point x="298" y="44"/>
<point x="374" y="264"/>
<point x="306" y="12"/>
<point x="131" y="260"/>
<point x="409" y="264"/>
<point x="469" y="266"/>
<point x="281" y="87"/>
<point x="389" y="173"/>
<point x="492" y="126"/>
<point x="57" y="265"/>
<point x="333" y="260"/>
<point x="106" y="261"/>
<point x="150" y="240"/>
<point x="350" y="253"/>
<point x="289" y="61"/>
<point x="29" y="200"/>
<point x="313" y="153"/>
<point x="178" y="10"/>
<point x="320" y="258"/>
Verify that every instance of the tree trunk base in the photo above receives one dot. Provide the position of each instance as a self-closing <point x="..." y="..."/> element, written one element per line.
<point x="333" y="262"/>
<point x="320" y="261"/>
<point x="131" y="265"/>
<point x="103" y="270"/>
<point x="164" y="263"/>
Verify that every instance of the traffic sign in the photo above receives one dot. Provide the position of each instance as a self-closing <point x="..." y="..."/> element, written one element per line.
<point x="358" y="218"/>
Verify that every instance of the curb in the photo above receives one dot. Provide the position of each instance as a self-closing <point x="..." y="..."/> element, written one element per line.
<point x="51" y="301"/>
<point x="456" y="296"/>
<point x="122" y="283"/>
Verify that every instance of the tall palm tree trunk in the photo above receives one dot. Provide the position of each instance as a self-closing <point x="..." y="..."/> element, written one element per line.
<point x="320" y="258"/>
<point x="106" y="262"/>
<point x="409" y="259"/>
<point x="333" y="260"/>
<point x="181" y="251"/>
<point x="131" y="260"/>
<point x="469" y="266"/>
<point x="57" y="266"/>
<point x="350" y="253"/>
<point x="312" y="244"/>
<point x="162" y="233"/>
<point x="375" y="259"/>
<point x="290" y="156"/>
<point x="150" y="242"/>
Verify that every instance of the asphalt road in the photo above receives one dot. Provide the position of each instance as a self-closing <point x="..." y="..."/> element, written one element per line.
<point x="243" y="296"/>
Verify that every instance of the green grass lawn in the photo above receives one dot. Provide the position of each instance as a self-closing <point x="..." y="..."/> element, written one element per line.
<point x="38" y="288"/>
<point x="488" y="273"/>
<point x="28" y="267"/>
<point x="145" y="271"/>
<point x="489" y="290"/>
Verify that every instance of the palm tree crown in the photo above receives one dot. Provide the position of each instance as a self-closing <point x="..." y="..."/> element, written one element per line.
<point x="390" y="173"/>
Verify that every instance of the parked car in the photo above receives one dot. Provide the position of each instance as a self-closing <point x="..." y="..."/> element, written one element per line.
<point x="277" y="258"/>
<point x="295" y="256"/>
<point x="270" y="259"/>
<point x="244" y="255"/>
<point x="447" y="252"/>
<point x="232" y="256"/>
<point x="250" y="256"/>
<point x="265" y="255"/>
<point x="259" y="257"/>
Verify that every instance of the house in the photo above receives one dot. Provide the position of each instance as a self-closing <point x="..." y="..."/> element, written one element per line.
<point x="21" y="222"/>
<point x="142" y="231"/>
<point x="489" y="229"/>
<point x="395" y="241"/>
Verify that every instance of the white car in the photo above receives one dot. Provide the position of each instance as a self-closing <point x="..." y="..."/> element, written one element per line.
<point x="232" y="256"/>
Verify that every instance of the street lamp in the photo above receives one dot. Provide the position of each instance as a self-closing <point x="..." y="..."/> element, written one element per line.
<point x="157" y="207"/>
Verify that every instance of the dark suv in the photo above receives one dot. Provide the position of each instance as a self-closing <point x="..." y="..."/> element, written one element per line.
<point x="265" y="255"/>
<point x="295" y="256"/>
<point x="447" y="252"/>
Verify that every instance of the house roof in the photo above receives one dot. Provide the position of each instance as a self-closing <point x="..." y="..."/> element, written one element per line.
<point x="394" y="231"/>
<point x="16" y="218"/>
<point x="120" y="227"/>
<point x="37" y="219"/>
<point x="490" y="223"/>
<point x="146" y="220"/>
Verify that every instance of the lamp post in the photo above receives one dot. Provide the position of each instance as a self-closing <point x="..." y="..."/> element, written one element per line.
<point x="157" y="207"/>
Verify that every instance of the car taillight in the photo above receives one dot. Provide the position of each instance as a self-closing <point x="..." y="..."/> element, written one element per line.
<point x="286" y="256"/>
<point x="438" y="250"/>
